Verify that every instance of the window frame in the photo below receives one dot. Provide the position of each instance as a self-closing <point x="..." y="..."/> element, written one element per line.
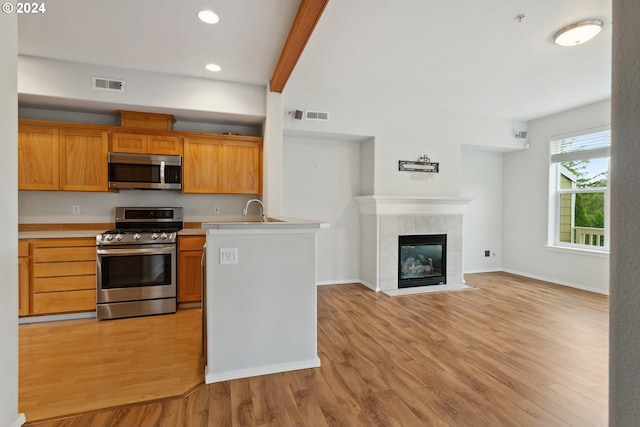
<point x="556" y="192"/>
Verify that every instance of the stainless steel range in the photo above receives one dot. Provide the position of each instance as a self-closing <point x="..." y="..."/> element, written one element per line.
<point x="136" y="263"/>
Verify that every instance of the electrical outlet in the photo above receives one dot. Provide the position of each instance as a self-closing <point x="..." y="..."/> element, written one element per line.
<point x="487" y="253"/>
<point x="216" y="210"/>
<point x="76" y="209"/>
<point x="228" y="255"/>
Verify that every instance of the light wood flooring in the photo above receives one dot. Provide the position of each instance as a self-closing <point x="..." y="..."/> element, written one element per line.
<point x="512" y="351"/>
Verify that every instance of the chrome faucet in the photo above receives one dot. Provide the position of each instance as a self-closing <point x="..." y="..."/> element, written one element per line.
<point x="246" y="207"/>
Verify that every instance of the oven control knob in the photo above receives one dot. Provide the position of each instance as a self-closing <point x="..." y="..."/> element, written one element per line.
<point x="164" y="236"/>
<point x="108" y="237"/>
<point x="137" y="236"/>
<point x="118" y="237"/>
<point x="154" y="236"/>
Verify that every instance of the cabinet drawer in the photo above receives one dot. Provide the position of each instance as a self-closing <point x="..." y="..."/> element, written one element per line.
<point x="65" y="242"/>
<point x="191" y="243"/>
<point x="64" y="269"/>
<point x="23" y="248"/>
<point x="64" y="254"/>
<point x="64" y="302"/>
<point x="64" y="283"/>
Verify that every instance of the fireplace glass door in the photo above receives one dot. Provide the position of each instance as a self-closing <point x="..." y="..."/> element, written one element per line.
<point x="422" y="260"/>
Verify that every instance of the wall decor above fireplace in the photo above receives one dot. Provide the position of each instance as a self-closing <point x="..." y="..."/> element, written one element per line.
<point x="424" y="164"/>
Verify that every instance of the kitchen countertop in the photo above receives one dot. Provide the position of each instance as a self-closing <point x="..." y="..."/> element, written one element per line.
<point x="61" y="234"/>
<point x="271" y="224"/>
<point x="193" y="229"/>
<point x="58" y="234"/>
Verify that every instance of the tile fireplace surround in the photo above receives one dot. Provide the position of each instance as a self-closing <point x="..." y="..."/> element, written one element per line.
<point x="384" y="218"/>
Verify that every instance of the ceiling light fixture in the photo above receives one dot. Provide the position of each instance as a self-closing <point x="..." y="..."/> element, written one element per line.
<point x="213" y="67"/>
<point x="208" y="16"/>
<point x="578" y="33"/>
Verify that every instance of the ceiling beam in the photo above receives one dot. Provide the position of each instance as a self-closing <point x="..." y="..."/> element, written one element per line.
<point x="303" y="25"/>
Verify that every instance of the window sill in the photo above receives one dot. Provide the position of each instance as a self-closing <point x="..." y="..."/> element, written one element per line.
<point x="579" y="251"/>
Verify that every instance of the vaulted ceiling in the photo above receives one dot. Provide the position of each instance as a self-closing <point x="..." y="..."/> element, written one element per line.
<point x="472" y="58"/>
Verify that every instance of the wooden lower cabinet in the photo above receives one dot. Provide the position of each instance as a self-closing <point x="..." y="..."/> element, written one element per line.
<point x="189" y="268"/>
<point x="63" y="275"/>
<point x="23" y="277"/>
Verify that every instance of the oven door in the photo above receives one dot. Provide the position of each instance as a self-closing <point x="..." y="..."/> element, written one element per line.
<point x="136" y="272"/>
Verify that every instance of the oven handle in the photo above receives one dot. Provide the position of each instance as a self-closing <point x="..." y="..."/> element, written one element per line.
<point x="138" y="251"/>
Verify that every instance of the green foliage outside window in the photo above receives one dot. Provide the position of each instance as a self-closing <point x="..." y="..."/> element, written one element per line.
<point x="589" y="207"/>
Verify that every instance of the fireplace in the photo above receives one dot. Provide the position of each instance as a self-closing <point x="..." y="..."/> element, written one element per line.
<point x="422" y="260"/>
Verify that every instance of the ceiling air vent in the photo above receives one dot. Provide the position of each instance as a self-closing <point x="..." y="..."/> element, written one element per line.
<point x="316" y="115"/>
<point x="104" y="83"/>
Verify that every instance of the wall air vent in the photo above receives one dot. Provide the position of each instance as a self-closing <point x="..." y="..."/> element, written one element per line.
<point x="316" y="115"/>
<point x="104" y="83"/>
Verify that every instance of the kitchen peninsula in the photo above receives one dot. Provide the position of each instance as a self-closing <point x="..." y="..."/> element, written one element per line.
<point x="260" y="297"/>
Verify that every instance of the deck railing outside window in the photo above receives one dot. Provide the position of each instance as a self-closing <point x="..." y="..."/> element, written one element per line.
<point x="589" y="236"/>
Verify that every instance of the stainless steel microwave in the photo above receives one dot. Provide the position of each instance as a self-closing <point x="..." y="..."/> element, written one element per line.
<point x="145" y="171"/>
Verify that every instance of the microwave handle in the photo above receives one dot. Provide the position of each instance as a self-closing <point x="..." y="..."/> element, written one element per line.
<point x="162" y="163"/>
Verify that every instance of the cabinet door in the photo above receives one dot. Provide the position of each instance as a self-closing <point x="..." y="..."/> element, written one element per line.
<point x="241" y="170"/>
<point x="189" y="268"/>
<point x="165" y="144"/>
<point x="201" y="165"/>
<point x="83" y="160"/>
<point x="38" y="151"/>
<point x="129" y="143"/>
<point x="190" y="276"/>
<point x="23" y="278"/>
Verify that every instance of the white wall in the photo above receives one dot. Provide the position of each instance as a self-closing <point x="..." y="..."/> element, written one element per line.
<point x="624" y="372"/>
<point x="405" y="133"/>
<point x="482" y="181"/>
<point x="526" y="201"/>
<point x="113" y="119"/>
<point x="37" y="207"/>
<point x="48" y="80"/>
<point x="321" y="177"/>
<point x="9" y="220"/>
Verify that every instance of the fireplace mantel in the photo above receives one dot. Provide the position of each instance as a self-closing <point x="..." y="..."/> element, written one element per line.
<point x="411" y="205"/>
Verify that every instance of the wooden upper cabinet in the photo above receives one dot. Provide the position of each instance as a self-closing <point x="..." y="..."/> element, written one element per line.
<point x="165" y="144"/>
<point x="83" y="160"/>
<point x="201" y="165"/>
<point x="142" y="120"/>
<point x="241" y="167"/>
<point x="38" y="152"/>
<point x="146" y="143"/>
<point x="128" y="143"/>
<point x="221" y="165"/>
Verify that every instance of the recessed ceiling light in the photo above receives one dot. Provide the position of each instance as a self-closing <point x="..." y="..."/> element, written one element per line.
<point x="208" y="16"/>
<point x="213" y="67"/>
<point x="578" y="33"/>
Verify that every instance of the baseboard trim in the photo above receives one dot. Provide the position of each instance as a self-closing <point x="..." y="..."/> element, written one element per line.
<point x="19" y="421"/>
<point x="484" y="270"/>
<point x="557" y="282"/>
<point x="262" y="370"/>
<point x="338" y="282"/>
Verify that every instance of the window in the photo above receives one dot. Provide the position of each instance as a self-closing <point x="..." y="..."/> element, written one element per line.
<point x="579" y="207"/>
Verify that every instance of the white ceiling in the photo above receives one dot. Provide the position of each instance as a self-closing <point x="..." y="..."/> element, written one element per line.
<point x="469" y="57"/>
